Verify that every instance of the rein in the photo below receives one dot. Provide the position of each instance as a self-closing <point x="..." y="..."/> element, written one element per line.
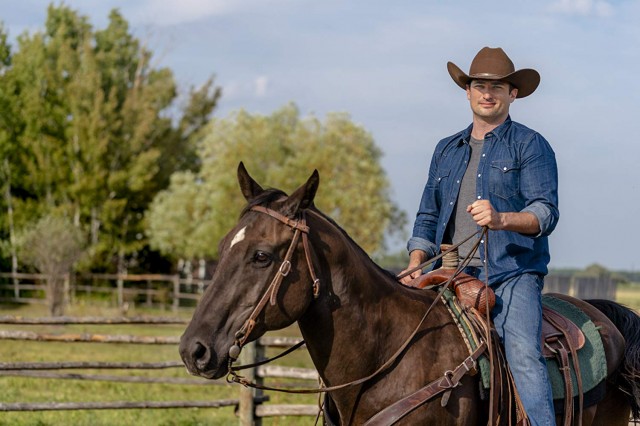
<point x="300" y="227"/>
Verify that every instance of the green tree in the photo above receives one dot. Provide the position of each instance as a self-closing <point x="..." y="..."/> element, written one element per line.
<point x="280" y="150"/>
<point x="53" y="245"/>
<point x="94" y="129"/>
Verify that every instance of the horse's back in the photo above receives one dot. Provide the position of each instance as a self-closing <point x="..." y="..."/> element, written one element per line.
<point x="612" y="338"/>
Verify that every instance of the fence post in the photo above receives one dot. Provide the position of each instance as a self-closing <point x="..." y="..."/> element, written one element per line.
<point x="120" y="291"/>
<point x="176" y="292"/>
<point x="246" y="406"/>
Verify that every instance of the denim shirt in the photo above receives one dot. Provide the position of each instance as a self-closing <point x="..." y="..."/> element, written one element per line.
<point x="517" y="173"/>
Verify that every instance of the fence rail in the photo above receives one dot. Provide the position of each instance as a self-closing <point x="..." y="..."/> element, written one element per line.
<point x="250" y="405"/>
<point x="147" y="289"/>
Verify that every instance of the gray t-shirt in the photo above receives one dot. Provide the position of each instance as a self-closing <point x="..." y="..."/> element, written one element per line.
<point x="461" y="224"/>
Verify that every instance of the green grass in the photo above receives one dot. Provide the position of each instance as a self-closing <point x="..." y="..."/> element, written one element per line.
<point x="629" y="295"/>
<point x="23" y="389"/>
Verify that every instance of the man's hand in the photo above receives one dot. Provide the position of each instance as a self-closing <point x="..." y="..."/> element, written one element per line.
<point x="484" y="214"/>
<point x="416" y="257"/>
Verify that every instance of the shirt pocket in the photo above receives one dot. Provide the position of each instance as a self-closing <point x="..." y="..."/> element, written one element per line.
<point x="442" y="180"/>
<point x="504" y="178"/>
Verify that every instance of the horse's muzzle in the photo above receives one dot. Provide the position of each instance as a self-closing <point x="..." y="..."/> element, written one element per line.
<point x="199" y="359"/>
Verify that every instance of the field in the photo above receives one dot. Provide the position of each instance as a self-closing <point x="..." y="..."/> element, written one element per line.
<point x="22" y="389"/>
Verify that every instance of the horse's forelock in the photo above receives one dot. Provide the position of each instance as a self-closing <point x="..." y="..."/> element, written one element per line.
<point x="266" y="198"/>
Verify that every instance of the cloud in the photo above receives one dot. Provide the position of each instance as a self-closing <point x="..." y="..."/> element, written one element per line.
<point x="168" y="12"/>
<point x="598" y="8"/>
<point x="171" y="12"/>
<point x="261" y="84"/>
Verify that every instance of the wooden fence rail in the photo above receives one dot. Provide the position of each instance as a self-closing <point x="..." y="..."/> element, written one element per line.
<point x="250" y="404"/>
<point x="154" y="289"/>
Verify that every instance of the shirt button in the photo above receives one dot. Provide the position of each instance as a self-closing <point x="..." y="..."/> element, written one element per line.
<point x="479" y="174"/>
<point x="505" y="169"/>
<point x="484" y="155"/>
<point x="479" y="197"/>
<point x="481" y="241"/>
<point x="451" y="203"/>
<point x="457" y="181"/>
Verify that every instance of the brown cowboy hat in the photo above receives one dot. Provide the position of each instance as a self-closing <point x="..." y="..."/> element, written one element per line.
<point x="494" y="64"/>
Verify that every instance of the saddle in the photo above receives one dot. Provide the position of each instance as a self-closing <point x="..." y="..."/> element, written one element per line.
<point x="560" y="339"/>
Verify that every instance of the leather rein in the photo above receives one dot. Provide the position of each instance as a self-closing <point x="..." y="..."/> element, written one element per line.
<point x="448" y="381"/>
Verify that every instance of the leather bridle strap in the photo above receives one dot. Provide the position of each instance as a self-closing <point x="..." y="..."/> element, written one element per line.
<point x="296" y="225"/>
<point x="299" y="227"/>
<point x="451" y="379"/>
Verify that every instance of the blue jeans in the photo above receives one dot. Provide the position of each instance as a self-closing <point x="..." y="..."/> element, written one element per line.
<point x="517" y="317"/>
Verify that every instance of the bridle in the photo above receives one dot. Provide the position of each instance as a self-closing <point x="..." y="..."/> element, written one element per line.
<point x="300" y="228"/>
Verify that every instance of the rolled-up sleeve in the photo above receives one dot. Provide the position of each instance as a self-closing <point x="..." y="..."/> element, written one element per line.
<point x="539" y="184"/>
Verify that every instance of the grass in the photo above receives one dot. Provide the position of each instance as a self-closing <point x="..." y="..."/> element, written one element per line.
<point x="23" y="389"/>
<point x="629" y="295"/>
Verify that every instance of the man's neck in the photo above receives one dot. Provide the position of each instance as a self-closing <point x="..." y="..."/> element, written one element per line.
<point x="481" y="127"/>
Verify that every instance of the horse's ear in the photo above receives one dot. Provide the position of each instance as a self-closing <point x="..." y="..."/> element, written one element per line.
<point x="303" y="197"/>
<point x="249" y="187"/>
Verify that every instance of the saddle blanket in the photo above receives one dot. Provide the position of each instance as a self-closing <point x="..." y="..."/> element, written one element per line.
<point x="591" y="357"/>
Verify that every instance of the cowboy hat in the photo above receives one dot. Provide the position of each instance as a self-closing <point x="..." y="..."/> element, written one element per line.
<point x="494" y="64"/>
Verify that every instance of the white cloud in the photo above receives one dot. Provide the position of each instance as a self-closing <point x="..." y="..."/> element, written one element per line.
<point x="599" y="8"/>
<point x="172" y="12"/>
<point x="261" y="83"/>
<point x="168" y="12"/>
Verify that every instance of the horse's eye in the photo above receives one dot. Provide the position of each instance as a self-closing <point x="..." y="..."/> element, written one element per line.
<point x="261" y="258"/>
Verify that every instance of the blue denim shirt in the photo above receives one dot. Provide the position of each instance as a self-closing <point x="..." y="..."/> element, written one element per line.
<point x="517" y="173"/>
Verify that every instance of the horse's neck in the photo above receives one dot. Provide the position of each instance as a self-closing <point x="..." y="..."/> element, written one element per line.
<point x="361" y="316"/>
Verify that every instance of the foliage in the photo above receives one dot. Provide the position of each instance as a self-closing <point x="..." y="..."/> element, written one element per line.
<point x="85" y="126"/>
<point x="52" y="246"/>
<point x="280" y="150"/>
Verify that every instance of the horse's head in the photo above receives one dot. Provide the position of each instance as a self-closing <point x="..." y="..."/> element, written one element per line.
<point x="261" y="283"/>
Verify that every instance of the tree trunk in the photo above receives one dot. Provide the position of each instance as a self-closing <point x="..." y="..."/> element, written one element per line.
<point x="12" y="235"/>
<point x="55" y="295"/>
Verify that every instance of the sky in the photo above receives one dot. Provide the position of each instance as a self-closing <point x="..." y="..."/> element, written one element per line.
<point x="384" y="63"/>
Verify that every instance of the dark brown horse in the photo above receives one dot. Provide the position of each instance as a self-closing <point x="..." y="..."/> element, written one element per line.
<point x="355" y="316"/>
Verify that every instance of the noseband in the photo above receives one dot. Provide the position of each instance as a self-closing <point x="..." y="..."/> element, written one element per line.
<point x="299" y="227"/>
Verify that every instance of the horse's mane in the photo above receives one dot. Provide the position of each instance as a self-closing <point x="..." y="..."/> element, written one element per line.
<point x="271" y="195"/>
<point x="352" y="242"/>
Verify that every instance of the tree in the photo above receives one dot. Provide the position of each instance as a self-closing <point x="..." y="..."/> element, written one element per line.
<point x="281" y="150"/>
<point x="86" y="122"/>
<point x="53" y="246"/>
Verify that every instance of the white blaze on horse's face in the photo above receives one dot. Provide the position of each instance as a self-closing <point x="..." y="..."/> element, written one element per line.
<point x="238" y="237"/>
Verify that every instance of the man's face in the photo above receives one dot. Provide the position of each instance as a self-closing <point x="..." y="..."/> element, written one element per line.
<point x="490" y="99"/>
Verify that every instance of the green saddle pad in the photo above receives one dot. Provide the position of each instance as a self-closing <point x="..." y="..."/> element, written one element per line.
<point x="591" y="357"/>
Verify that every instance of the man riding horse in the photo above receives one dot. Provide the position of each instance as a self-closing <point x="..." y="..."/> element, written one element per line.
<point x="499" y="174"/>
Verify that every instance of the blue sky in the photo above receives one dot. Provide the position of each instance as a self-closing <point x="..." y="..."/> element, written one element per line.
<point x="384" y="63"/>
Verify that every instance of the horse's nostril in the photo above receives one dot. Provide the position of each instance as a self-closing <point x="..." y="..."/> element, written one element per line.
<point x="200" y="355"/>
<point x="199" y="351"/>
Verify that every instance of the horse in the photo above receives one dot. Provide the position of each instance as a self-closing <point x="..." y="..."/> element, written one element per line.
<point x="363" y="330"/>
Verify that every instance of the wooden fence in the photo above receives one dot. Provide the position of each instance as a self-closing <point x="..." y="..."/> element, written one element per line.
<point x="155" y="290"/>
<point x="250" y="405"/>
<point x="173" y="291"/>
<point x="583" y="287"/>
